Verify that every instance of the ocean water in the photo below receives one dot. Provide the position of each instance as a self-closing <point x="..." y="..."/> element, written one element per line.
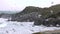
<point x="14" y="27"/>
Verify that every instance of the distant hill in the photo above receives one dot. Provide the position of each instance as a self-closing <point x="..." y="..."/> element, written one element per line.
<point x="8" y="12"/>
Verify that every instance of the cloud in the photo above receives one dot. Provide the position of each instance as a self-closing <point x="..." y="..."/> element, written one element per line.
<point x="17" y="5"/>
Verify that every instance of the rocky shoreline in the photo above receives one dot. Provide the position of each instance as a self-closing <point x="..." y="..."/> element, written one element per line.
<point x="46" y="16"/>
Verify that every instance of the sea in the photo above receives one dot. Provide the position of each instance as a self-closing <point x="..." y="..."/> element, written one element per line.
<point x="14" y="27"/>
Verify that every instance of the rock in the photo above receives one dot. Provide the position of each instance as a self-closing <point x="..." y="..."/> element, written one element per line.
<point x="52" y="22"/>
<point x="27" y="17"/>
<point x="48" y="22"/>
<point x="32" y="13"/>
<point x="39" y="21"/>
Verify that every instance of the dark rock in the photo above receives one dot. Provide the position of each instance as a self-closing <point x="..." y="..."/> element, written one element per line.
<point x="47" y="22"/>
<point x="27" y="17"/>
<point x="31" y="13"/>
<point x="52" y="21"/>
<point x="39" y="21"/>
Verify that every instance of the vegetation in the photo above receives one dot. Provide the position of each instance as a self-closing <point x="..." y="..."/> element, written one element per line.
<point x="46" y="12"/>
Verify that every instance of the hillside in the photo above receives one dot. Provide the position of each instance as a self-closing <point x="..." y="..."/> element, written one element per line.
<point x="45" y="12"/>
<point x="39" y="15"/>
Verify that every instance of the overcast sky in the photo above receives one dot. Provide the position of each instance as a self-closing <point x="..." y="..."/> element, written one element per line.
<point x="17" y="5"/>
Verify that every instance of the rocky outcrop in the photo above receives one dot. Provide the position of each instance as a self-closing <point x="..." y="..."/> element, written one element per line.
<point x="27" y="17"/>
<point x="39" y="21"/>
<point x="52" y="22"/>
<point x="7" y="16"/>
<point x="30" y="13"/>
<point x="39" y="15"/>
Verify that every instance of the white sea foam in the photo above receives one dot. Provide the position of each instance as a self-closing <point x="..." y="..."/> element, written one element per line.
<point x="14" y="27"/>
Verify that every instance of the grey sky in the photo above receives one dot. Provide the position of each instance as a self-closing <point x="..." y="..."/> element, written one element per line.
<point x="17" y="5"/>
